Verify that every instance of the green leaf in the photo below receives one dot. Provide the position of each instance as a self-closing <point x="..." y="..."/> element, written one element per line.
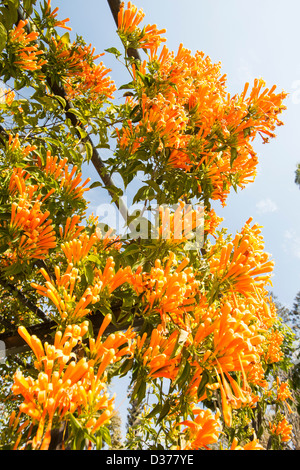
<point x="75" y="112"/>
<point x="65" y="39"/>
<point x="9" y="15"/>
<point x="127" y="86"/>
<point x="185" y="374"/>
<point x="233" y="155"/>
<point x="141" y="392"/>
<point x="89" y="151"/>
<point x="153" y="185"/>
<point x="61" y="100"/>
<point x="165" y="410"/>
<point x="95" y="184"/>
<point x="156" y="409"/>
<point x="89" y="274"/>
<point x="126" y="367"/>
<point x="203" y="383"/>
<point x="74" y="423"/>
<point x="3" y="37"/>
<point x="131" y="249"/>
<point x="114" y="51"/>
<point x="93" y="258"/>
<point x="142" y="194"/>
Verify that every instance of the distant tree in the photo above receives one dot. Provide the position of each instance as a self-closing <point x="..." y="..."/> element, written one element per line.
<point x="297" y="175"/>
<point x="134" y="414"/>
<point x="291" y="376"/>
<point x="115" y="429"/>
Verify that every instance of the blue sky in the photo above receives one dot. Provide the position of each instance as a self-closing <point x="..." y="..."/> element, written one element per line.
<point x="261" y="40"/>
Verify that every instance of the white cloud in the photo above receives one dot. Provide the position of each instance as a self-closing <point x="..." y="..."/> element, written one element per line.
<point x="245" y="72"/>
<point x="292" y="242"/>
<point x="266" y="205"/>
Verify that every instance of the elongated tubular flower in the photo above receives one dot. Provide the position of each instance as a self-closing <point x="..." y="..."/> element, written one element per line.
<point x="283" y="390"/>
<point x="252" y="445"/>
<point x="203" y="430"/>
<point x="192" y="84"/>
<point x="158" y="356"/>
<point x="71" y="229"/>
<point x="71" y="185"/>
<point x="113" y="347"/>
<point x="14" y="146"/>
<point x="61" y="291"/>
<point x="109" y="240"/>
<point x="17" y="183"/>
<point x="7" y="96"/>
<point x="164" y="118"/>
<point x="181" y="225"/>
<point x="284" y="393"/>
<point x="274" y="352"/>
<point x="27" y="54"/>
<point x="111" y="280"/>
<point x="61" y="294"/>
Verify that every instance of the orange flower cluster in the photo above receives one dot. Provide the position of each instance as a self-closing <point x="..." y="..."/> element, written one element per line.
<point x="77" y="249"/>
<point x="115" y="346"/>
<point x="65" y="385"/>
<point x="81" y="76"/>
<point x="62" y="290"/>
<point x="230" y="338"/>
<point x="283" y="391"/>
<point x="7" y="96"/>
<point x="109" y="240"/>
<point x="30" y="231"/>
<point x="15" y="149"/>
<point x="211" y="222"/>
<point x="203" y="430"/>
<point x="128" y="21"/>
<point x="69" y="180"/>
<point x="25" y="48"/>
<point x="282" y="429"/>
<point x="242" y="265"/>
<point x="165" y="118"/>
<point x="61" y="293"/>
<point x="111" y="280"/>
<point x="53" y="15"/>
<point x="168" y="291"/>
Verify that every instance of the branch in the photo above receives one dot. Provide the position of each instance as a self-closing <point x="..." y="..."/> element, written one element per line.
<point x="14" y="343"/>
<point x="24" y="300"/>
